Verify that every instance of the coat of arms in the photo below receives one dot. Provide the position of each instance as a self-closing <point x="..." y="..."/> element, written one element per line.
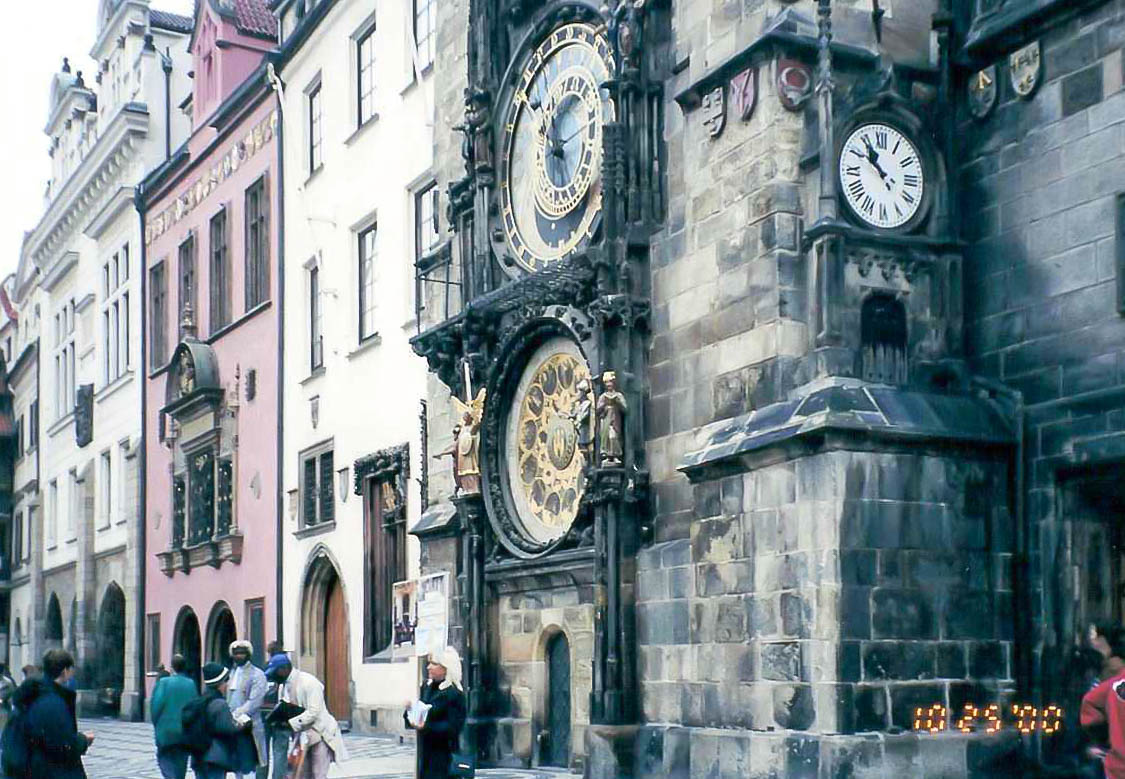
<point x="1025" y="66"/>
<point x="744" y="93"/>
<point x="715" y="111"/>
<point x="982" y="92"/>
<point x="794" y="83"/>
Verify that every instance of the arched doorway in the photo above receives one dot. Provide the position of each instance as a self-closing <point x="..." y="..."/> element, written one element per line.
<point x="110" y="670"/>
<point x="53" y="630"/>
<point x="324" y="632"/>
<point x="221" y="633"/>
<point x="188" y="642"/>
<point x="558" y="702"/>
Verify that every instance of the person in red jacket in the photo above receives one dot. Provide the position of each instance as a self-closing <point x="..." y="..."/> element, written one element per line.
<point x="1104" y="706"/>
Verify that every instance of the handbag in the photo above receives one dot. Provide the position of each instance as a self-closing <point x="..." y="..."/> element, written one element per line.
<point x="463" y="765"/>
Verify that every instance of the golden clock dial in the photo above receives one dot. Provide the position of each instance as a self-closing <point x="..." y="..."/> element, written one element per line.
<point x="544" y="460"/>
<point x="550" y="162"/>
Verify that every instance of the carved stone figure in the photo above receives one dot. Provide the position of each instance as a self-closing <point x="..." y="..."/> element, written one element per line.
<point x="187" y="374"/>
<point x="582" y="415"/>
<point x="611" y="420"/>
<point x="451" y="451"/>
<point x="467" y="456"/>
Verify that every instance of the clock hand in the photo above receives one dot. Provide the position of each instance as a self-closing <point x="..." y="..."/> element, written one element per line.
<point x="873" y="158"/>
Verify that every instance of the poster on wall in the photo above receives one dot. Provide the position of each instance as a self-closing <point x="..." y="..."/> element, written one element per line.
<point x="405" y="618"/>
<point x="432" y="627"/>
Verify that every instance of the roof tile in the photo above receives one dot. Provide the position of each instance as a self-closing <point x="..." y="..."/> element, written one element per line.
<point x="254" y="18"/>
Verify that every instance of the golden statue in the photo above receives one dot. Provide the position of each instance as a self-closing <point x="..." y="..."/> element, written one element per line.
<point x="611" y="420"/>
<point x="466" y="458"/>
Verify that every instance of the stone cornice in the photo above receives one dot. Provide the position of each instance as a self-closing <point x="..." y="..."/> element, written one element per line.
<point x="98" y="172"/>
<point x="66" y="261"/>
<point x="115" y="205"/>
<point x="113" y="25"/>
<point x="68" y="103"/>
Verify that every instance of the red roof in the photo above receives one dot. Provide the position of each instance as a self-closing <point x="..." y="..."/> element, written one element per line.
<point x="254" y="18"/>
<point x="9" y="309"/>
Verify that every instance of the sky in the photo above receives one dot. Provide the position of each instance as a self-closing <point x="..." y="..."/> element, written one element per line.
<point x="41" y="33"/>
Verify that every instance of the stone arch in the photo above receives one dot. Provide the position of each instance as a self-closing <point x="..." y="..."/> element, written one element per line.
<point x="110" y="667"/>
<point x="187" y="641"/>
<point x="325" y="629"/>
<point x="221" y="631"/>
<point x="53" y="626"/>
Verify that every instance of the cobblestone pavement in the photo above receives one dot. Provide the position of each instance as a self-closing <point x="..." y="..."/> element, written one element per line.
<point x="125" y="750"/>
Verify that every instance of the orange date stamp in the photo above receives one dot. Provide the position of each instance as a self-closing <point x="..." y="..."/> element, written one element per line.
<point x="1025" y="718"/>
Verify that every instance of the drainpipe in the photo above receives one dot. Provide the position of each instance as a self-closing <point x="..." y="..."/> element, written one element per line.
<point x="166" y="64"/>
<point x="142" y="458"/>
<point x="279" y="91"/>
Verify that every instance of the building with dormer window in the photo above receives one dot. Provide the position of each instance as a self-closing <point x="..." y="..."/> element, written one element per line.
<point x="78" y="286"/>
<point x="211" y="353"/>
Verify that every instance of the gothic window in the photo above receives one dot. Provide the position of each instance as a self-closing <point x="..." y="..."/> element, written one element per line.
<point x="883" y="335"/>
<point x="201" y="502"/>
<point x="224" y="507"/>
<point x="187" y="281"/>
<point x="318" y="499"/>
<point x="179" y="511"/>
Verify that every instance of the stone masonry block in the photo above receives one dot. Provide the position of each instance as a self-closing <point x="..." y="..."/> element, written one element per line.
<point x="1082" y="89"/>
<point x="900" y="613"/>
<point x="717" y="540"/>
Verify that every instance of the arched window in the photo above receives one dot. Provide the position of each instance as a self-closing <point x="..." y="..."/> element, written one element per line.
<point x="883" y="337"/>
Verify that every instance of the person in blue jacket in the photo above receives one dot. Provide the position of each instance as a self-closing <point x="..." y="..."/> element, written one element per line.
<point x="55" y="747"/>
<point x="169" y="697"/>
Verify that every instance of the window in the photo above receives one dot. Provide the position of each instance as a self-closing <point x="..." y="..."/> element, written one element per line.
<point x="115" y="316"/>
<point x="315" y="130"/>
<point x="425" y="220"/>
<point x="316" y="335"/>
<point x="152" y="642"/>
<point x="220" y="273"/>
<point x="256" y="630"/>
<point x="32" y="511"/>
<point x="385" y="558"/>
<point x="257" y="243"/>
<point x="19" y="438"/>
<point x="64" y="361"/>
<point x="74" y="506"/>
<point x="17" y="540"/>
<point x="123" y="501"/>
<point x="187" y="299"/>
<point x="425" y="19"/>
<point x="365" y="75"/>
<point x="158" y="331"/>
<point x="52" y="529"/>
<point x="318" y="501"/>
<point x="367" y="283"/>
<point x="33" y="425"/>
<point x="105" y="480"/>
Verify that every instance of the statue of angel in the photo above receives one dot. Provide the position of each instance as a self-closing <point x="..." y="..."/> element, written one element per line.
<point x="467" y="456"/>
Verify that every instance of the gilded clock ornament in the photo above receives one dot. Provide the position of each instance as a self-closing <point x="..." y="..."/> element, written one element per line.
<point x="882" y="176"/>
<point x="551" y="146"/>
<point x="544" y="447"/>
<point x="982" y="89"/>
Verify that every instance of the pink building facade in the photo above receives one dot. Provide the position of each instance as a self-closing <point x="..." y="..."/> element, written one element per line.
<point x="212" y="357"/>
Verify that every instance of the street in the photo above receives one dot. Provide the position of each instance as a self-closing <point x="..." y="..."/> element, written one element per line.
<point x="124" y="750"/>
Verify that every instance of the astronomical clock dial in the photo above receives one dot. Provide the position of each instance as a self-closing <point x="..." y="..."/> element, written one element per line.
<point x="543" y="459"/>
<point x="882" y="176"/>
<point x="551" y="155"/>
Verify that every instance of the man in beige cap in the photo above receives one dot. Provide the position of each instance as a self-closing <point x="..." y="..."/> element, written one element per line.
<point x="247" y="689"/>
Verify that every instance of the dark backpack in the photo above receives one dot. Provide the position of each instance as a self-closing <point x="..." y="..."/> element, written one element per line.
<point x="193" y="718"/>
<point x="15" y="751"/>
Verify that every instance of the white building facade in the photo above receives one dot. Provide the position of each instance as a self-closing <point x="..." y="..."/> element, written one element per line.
<point x="360" y="206"/>
<point x="79" y="281"/>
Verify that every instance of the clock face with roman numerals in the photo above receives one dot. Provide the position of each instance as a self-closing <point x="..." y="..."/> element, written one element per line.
<point x="882" y="176"/>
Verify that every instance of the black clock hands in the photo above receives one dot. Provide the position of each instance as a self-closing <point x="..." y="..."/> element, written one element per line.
<point x="873" y="158"/>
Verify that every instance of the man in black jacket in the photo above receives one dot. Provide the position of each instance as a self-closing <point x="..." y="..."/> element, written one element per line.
<point x="55" y="747"/>
<point x="226" y="752"/>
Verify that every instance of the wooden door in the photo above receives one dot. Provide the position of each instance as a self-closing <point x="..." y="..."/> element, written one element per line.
<point x="336" y="654"/>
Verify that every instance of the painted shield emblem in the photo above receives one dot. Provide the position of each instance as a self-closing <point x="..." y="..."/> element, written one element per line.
<point x="982" y="92"/>
<point x="744" y="93"/>
<point x="1025" y="67"/>
<point x="714" y="110"/>
<point x="794" y="83"/>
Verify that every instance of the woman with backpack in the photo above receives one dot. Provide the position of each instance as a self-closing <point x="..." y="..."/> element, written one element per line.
<point x="216" y="740"/>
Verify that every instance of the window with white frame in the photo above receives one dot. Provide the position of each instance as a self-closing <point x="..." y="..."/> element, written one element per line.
<point x="316" y="129"/>
<point x="318" y="498"/>
<point x="316" y="321"/>
<point x="51" y="532"/>
<point x="122" y="482"/>
<point x="115" y="315"/>
<point x="188" y="284"/>
<point x="105" y="480"/>
<point x="426" y="235"/>
<point x="365" y="75"/>
<point x="425" y="22"/>
<point x="65" y="362"/>
<point x="367" y="283"/>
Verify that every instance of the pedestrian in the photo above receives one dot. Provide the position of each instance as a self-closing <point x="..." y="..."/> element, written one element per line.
<point x="7" y="689"/>
<point x="247" y="690"/>
<point x="277" y="736"/>
<point x="55" y="747"/>
<point x="438" y="734"/>
<point x="222" y="754"/>
<point x="29" y="671"/>
<point x="169" y="697"/>
<point x="317" y="730"/>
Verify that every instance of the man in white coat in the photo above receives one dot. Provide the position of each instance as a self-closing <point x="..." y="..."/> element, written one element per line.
<point x="315" y="726"/>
